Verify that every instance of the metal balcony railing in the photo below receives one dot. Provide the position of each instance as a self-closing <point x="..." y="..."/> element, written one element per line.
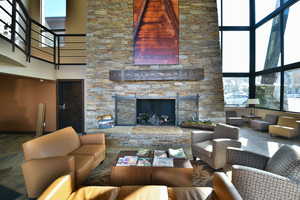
<point x="36" y="40"/>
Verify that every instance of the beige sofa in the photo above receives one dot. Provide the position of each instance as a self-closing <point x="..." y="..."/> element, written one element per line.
<point x="58" y="153"/>
<point x="62" y="189"/>
<point x="287" y="127"/>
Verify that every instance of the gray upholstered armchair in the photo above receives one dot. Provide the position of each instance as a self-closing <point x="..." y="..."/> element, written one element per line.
<point x="211" y="146"/>
<point x="261" y="177"/>
<point x="233" y="119"/>
<point x="263" y="125"/>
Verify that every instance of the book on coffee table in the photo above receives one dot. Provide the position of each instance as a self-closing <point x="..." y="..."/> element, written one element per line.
<point x="160" y="154"/>
<point x="176" y="153"/>
<point x="144" y="162"/>
<point x="163" y="162"/>
<point x="121" y="162"/>
<point x="143" y="152"/>
<point x="127" y="161"/>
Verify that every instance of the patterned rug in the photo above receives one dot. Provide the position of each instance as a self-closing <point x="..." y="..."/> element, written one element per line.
<point x="100" y="176"/>
<point x="8" y="194"/>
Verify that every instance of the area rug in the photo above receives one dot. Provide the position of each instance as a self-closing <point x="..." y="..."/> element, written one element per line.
<point x="8" y="194"/>
<point x="100" y="176"/>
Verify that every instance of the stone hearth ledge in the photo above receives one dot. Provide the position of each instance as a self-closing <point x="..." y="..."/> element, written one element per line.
<point x="162" y="137"/>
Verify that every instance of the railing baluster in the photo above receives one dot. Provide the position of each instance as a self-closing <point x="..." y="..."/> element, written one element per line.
<point x="13" y="24"/>
<point x="54" y="50"/>
<point x="58" y="58"/>
<point x="28" y="41"/>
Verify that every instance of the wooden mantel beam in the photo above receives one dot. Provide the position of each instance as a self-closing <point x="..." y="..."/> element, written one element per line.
<point x="157" y="75"/>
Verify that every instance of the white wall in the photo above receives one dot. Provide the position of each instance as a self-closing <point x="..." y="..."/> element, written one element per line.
<point x="71" y="72"/>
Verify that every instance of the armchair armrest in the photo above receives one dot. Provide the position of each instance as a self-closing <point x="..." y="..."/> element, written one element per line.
<point x="98" y="138"/>
<point x="223" y="188"/>
<point x="258" y="184"/>
<point x="200" y="136"/>
<point x="40" y="173"/>
<point x="236" y="156"/>
<point x="226" y="142"/>
<point x="60" y="189"/>
<point x="298" y="127"/>
<point x="220" y="149"/>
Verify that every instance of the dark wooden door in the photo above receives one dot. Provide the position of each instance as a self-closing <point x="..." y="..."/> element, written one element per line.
<point x="71" y="104"/>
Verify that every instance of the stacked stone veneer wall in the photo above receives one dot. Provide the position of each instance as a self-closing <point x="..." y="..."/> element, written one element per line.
<point x="110" y="46"/>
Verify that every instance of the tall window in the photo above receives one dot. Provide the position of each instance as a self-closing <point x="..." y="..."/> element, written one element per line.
<point x="53" y="13"/>
<point x="6" y="20"/>
<point x="4" y="25"/>
<point x="235" y="51"/>
<point x="292" y="90"/>
<point x="53" y="17"/>
<point x="236" y="91"/>
<point x="268" y="90"/>
<point x="264" y="8"/>
<point x="292" y="34"/>
<point x="235" y="44"/>
<point x="219" y="2"/>
<point x="235" y="12"/>
<point x="268" y="45"/>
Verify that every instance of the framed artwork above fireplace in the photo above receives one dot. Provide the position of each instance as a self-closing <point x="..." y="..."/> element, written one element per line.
<point x="156" y="32"/>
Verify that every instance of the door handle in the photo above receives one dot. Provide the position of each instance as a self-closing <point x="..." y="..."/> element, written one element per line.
<point x="62" y="107"/>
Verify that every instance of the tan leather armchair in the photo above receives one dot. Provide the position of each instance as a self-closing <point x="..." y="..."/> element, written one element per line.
<point x="61" y="152"/>
<point x="63" y="189"/>
<point x="287" y="127"/>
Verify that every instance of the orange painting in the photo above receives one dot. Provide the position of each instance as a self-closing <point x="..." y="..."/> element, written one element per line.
<point x="156" y="32"/>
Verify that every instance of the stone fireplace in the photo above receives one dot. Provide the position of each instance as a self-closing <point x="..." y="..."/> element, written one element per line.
<point x="156" y="111"/>
<point x="110" y="57"/>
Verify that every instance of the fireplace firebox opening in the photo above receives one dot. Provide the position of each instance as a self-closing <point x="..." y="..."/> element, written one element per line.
<point x="155" y="112"/>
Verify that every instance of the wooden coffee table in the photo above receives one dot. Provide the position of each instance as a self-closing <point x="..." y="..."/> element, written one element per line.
<point x="179" y="175"/>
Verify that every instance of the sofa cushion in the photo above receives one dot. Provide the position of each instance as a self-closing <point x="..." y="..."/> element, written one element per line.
<point x="94" y="192"/>
<point x="204" y="148"/>
<point x="189" y="193"/>
<point x="286" y="162"/>
<point x="95" y="150"/>
<point x="259" y="125"/>
<point x="143" y="193"/>
<point x="281" y="130"/>
<point x="272" y="119"/>
<point x="287" y="121"/>
<point x="83" y="166"/>
<point x="58" y="143"/>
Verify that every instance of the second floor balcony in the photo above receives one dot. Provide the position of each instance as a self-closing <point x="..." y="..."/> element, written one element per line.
<point x="38" y="41"/>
